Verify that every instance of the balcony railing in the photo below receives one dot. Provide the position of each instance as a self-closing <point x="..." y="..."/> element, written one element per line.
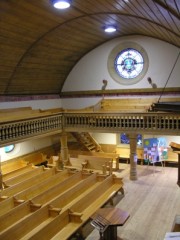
<point x="24" y="129"/>
<point x="161" y="123"/>
<point x="123" y="122"/>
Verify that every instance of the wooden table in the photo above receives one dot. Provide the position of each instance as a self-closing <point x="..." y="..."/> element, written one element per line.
<point x="115" y="217"/>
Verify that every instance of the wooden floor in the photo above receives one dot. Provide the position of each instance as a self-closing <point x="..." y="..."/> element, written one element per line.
<point x="152" y="202"/>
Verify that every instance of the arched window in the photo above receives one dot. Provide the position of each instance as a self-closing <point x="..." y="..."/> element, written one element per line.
<point x="9" y="148"/>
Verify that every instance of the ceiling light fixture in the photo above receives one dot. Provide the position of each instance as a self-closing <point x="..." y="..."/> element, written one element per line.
<point x="61" y="4"/>
<point x="110" y="29"/>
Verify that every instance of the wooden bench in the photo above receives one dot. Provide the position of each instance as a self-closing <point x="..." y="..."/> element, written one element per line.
<point x="22" y="207"/>
<point x="11" y="165"/>
<point x="124" y="152"/>
<point x="17" y="172"/>
<point x="114" y="156"/>
<point x="22" y="177"/>
<point x="75" y="163"/>
<point x="36" y="158"/>
<point x="30" y="223"/>
<point x="9" y="192"/>
<point x="42" y="187"/>
<point x="80" y="212"/>
<point x="74" y="194"/>
<point x="101" y="166"/>
<point x="65" y="193"/>
<point x="9" y="203"/>
<point x="97" y="163"/>
<point x="58" y="189"/>
<point x="51" y="221"/>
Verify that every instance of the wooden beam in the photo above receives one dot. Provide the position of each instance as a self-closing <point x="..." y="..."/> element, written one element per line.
<point x="119" y="92"/>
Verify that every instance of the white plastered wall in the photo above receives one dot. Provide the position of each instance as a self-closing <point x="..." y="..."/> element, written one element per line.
<point x="92" y="69"/>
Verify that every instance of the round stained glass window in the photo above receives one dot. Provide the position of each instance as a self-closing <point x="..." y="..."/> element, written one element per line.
<point x="128" y="63"/>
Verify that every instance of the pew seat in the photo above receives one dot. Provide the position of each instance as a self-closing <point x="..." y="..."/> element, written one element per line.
<point x="55" y="221"/>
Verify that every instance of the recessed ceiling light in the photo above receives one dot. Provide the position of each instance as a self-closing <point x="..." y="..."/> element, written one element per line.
<point x="61" y="4"/>
<point x="110" y="29"/>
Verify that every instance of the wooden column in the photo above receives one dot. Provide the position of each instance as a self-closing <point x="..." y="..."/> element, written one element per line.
<point x="133" y="156"/>
<point x="64" y="155"/>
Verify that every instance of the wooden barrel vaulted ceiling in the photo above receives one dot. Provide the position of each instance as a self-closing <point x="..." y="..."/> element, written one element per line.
<point x="39" y="45"/>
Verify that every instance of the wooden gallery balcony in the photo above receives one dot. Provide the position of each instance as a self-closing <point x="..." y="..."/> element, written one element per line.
<point x="39" y="125"/>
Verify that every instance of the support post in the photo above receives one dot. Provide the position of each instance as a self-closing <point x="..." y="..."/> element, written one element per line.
<point x="133" y="156"/>
<point x="64" y="155"/>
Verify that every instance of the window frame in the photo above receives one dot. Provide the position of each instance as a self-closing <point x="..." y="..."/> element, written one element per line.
<point x="113" y="56"/>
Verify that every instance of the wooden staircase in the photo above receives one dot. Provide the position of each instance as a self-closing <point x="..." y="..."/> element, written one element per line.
<point x="87" y="141"/>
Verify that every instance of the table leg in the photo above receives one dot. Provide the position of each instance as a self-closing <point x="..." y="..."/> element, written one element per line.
<point x="110" y="233"/>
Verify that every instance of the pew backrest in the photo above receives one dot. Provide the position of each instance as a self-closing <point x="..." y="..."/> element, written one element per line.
<point x="11" y="165"/>
<point x="22" y="177"/>
<point x="28" y="183"/>
<point x="94" y="162"/>
<point x="17" y="172"/>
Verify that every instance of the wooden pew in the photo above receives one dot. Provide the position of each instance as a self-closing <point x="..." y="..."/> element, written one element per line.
<point x="26" y="207"/>
<point x="99" y="196"/>
<point x="64" y="194"/>
<point x="97" y="163"/>
<point x="6" y="205"/>
<point x="124" y="152"/>
<point x="11" y="165"/>
<point x="61" y="187"/>
<point x="9" y="203"/>
<point x="22" y="177"/>
<point x="30" y="223"/>
<point x="41" y="188"/>
<point x="75" y="163"/>
<point x="35" y="158"/>
<point x="9" y="192"/>
<point x="86" y="164"/>
<point x="79" y="212"/>
<point x="17" y="172"/>
<point x="114" y="156"/>
<point x="12" y="217"/>
<point x="52" y="222"/>
<point x="74" y="194"/>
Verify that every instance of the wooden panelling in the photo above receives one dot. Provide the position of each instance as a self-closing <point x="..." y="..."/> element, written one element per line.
<point x="44" y="52"/>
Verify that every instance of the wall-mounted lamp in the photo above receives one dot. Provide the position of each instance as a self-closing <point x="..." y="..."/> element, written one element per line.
<point x="61" y="4"/>
<point x="110" y="29"/>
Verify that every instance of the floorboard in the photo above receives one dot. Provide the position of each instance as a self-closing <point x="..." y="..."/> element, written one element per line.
<point x="152" y="202"/>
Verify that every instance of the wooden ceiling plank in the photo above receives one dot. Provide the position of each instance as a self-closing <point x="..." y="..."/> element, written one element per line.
<point x="166" y="10"/>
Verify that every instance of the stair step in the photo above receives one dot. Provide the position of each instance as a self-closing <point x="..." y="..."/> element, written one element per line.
<point x="86" y="140"/>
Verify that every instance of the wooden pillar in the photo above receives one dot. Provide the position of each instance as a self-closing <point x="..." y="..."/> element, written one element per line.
<point x="64" y="155"/>
<point x="133" y="156"/>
